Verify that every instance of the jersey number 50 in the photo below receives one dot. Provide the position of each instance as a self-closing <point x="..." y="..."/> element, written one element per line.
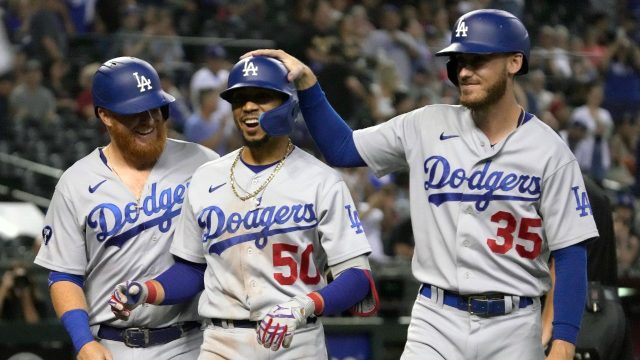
<point x="506" y="233"/>
<point x="280" y="258"/>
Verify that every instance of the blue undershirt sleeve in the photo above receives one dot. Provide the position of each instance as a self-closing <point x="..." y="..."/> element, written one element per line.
<point x="55" y="276"/>
<point x="332" y="135"/>
<point x="345" y="291"/>
<point x="570" y="292"/>
<point x="182" y="281"/>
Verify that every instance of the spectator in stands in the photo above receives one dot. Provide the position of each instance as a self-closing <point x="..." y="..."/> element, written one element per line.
<point x="58" y="83"/>
<point x="538" y="97"/>
<point x="125" y="40"/>
<point x="164" y="48"/>
<point x="393" y="45"/>
<point x="593" y="49"/>
<point x="623" y="159"/>
<point x="213" y="74"/>
<point x="598" y="119"/>
<point x="19" y="300"/>
<point x="108" y="18"/>
<point x="345" y="86"/>
<point x="593" y="151"/>
<point x="84" y="101"/>
<point x="30" y="99"/>
<point x="212" y="124"/>
<point x="6" y="86"/>
<point x="622" y="76"/>
<point x="49" y="26"/>
<point x="179" y="110"/>
<point x="413" y="27"/>
<point x="627" y="241"/>
<point x="377" y="214"/>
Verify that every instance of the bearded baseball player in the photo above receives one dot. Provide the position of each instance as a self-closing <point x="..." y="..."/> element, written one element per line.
<point x="494" y="193"/>
<point x="112" y="217"/>
<point x="261" y="228"/>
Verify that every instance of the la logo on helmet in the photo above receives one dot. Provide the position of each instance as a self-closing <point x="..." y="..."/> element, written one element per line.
<point x="144" y="84"/>
<point x="461" y="30"/>
<point x="249" y="67"/>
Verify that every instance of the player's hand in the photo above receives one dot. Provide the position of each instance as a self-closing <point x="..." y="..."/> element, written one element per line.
<point x="299" y="73"/>
<point x="93" y="350"/>
<point x="127" y="296"/>
<point x="561" y="350"/>
<point x="279" y="324"/>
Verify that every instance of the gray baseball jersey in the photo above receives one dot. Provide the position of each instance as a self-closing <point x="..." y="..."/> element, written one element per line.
<point x="95" y="227"/>
<point x="261" y="253"/>
<point x="485" y="217"/>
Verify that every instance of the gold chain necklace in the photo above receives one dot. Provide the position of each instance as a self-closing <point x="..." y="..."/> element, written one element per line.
<point x="265" y="183"/>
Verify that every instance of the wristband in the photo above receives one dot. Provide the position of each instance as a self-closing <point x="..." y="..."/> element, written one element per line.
<point x="318" y="301"/>
<point x="152" y="293"/>
<point x="76" y="322"/>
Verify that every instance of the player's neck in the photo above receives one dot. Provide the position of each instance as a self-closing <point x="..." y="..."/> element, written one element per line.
<point x="118" y="161"/>
<point x="268" y="153"/>
<point x="499" y="120"/>
<point x="133" y="178"/>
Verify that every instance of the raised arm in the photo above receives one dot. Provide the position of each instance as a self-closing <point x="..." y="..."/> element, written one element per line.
<point x="330" y="132"/>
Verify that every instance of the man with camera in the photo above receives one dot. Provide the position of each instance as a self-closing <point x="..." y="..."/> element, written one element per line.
<point x="18" y="300"/>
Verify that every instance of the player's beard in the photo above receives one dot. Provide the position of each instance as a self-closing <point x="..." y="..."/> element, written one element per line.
<point x="258" y="143"/>
<point x="493" y="94"/>
<point x="140" y="156"/>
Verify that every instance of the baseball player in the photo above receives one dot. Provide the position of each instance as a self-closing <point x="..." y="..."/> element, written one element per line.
<point x="112" y="217"/>
<point x="268" y="222"/>
<point x="494" y="192"/>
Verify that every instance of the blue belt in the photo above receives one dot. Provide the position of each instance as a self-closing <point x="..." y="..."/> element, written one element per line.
<point x="482" y="305"/>
<point x="144" y="337"/>
<point x="229" y="324"/>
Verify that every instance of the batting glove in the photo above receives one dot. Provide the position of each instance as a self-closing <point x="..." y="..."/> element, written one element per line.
<point x="127" y="296"/>
<point x="279" y="324"/>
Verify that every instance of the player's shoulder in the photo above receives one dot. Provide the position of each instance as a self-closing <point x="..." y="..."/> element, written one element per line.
<point x="216" y="166"/>
<point x="302" y="162"/>
<point x="554" y="146"/>
<point x="434" y="113"/>
<point x="190" y="150"/>
<point x="85" y="165"/>
<point x="543" y="133"/>
<point x="85" y="171"/>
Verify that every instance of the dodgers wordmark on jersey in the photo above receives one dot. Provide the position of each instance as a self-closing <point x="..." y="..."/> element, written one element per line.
<point x="261" y="253"/>
<point x="96" y="228"/>
<point x="485" y="216"/>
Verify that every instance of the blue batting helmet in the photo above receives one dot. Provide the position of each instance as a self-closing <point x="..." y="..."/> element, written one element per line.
<point x="267" y="73"/>
<point x="128" y="85"/>
<point x="487" y="31"/>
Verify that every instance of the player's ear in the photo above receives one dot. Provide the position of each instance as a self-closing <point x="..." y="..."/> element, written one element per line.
<point x="104" y="115"/>
<point x="515" y="62"/>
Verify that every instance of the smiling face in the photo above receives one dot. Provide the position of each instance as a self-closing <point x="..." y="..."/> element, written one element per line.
<point x="483" y="78"/>
<point x="140" y="138"/>
<point x="248" y="104"/>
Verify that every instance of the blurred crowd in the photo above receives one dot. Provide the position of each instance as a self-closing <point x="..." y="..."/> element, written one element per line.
<point x="374" y="59"/>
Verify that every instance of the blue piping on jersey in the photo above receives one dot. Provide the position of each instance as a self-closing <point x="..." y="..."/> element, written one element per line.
<point x="163" y="222"/>
<point x="527" y="117"/>
<point x="482" y="200"/>
<point x="258" y="168"/>
<point x="260" y="238"/>
<point x="103" y="157"/>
